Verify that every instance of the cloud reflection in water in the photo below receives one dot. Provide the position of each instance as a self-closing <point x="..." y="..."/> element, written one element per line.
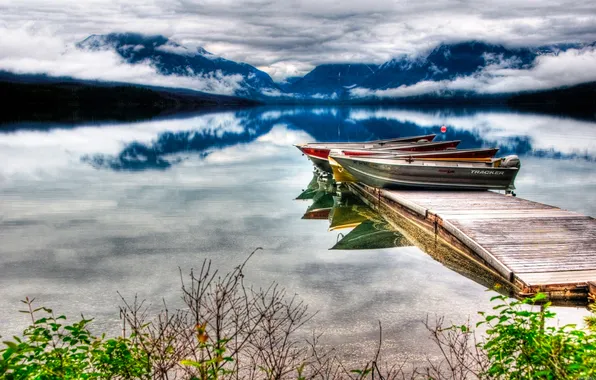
<point x="512" y="133"/>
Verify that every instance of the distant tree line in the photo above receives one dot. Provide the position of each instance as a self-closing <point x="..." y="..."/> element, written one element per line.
<point x="71" y="101"/>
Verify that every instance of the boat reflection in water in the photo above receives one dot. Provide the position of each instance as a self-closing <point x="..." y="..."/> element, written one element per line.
<point x="345" y="211"/>
<point x="371" y="235"/>
<point x="321" y="191"/>
<point x="376" y="228"/>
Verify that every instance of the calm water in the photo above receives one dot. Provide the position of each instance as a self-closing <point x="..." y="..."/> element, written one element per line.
<point x="89" y="210"/>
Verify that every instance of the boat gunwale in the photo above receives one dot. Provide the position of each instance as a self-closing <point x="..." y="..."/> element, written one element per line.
<point x="409" y="163"/>
<point x="420" y="153"/>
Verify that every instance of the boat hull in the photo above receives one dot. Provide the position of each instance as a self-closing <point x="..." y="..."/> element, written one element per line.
<point x="319" y="154"/>
<point x="401" y="174"/>
<point x="320" y="163"/>
<point x="339" y="173"/>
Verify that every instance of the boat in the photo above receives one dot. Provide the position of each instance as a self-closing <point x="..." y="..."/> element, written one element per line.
<point x="369" y="144"/>
<point x="477" y="155"/>
<point x="412" y="172"/>
<point x="319" y="154"/>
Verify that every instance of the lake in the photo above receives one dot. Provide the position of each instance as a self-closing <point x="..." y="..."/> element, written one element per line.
<point x="90" y="210"/>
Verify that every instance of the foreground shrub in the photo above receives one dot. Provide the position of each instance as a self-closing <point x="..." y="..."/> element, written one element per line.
<point x="519" y="346"/>
<point x="520" y="342"/>
<point x="229" y="330"/>
<point x="52" y="349"/>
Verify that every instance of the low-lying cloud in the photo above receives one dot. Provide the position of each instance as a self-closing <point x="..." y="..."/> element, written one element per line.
<point x="567" y="68"/>
<point x="23" y="51"/>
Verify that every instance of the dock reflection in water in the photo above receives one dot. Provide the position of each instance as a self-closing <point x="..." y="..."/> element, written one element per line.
<point x="371" y="229"/>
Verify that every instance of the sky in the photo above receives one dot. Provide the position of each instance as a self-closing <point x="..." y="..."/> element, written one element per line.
<point x="286" y="38"/>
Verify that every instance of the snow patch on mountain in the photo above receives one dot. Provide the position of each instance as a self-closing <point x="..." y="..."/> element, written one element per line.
<point x="174" y="48"/>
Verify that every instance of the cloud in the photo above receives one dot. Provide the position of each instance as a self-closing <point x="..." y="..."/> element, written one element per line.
<point x="279" y="71"/>
<point x="567" y="68"/>
<point x="25" y="51"/>
<point x="271" y="35"/>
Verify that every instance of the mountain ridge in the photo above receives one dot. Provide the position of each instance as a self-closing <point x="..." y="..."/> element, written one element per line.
<point x="329" y="81"/>
<point x="448" y="72"/>
<point x="170" y="58"/>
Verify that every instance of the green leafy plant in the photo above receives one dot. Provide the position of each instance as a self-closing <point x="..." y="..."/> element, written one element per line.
<point x="591" y="319"/>
<point x="52" y="349"/>
<point x="521" y="344"/>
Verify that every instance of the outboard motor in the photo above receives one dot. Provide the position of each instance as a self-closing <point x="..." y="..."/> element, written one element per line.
<point x="511" y="161"/>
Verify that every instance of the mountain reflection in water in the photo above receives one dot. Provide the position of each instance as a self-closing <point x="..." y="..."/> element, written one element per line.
<point x="512" y="133"/>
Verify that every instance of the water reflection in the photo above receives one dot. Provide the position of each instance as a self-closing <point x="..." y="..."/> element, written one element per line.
<point x="549" y="146"/>
<point x="513" y="133"/>
<point x="311" y="190"/>
<point x="75" y="231"/>
<point x="368" y="229"/>
<point x="344" y="210"/>
<point x="373" y="226"/>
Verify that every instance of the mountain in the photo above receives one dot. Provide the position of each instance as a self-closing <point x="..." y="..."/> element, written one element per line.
<point x="171" y="58"/>
<point x="327" y="83"/>
<point x="330" y="79"/>
<point x="289" y="81"/>
<point x="447" y="61"/>
<point x="473" y="63"/>
<point x="333" y="82"/>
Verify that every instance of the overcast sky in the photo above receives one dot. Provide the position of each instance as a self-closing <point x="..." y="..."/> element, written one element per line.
<point x="291" y="37"/>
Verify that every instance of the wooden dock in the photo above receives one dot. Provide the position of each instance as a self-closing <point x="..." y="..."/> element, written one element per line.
<point x="533" y="246"/>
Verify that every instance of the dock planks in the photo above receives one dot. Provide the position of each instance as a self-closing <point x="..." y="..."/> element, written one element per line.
<point x="533" y="245"/>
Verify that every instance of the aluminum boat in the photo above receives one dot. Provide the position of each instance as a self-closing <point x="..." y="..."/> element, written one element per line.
<point x="319" y="154"/>
<point x="411" y="172"/>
